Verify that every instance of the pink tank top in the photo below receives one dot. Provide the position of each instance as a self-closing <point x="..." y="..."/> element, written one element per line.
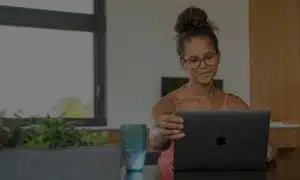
<point x="165" y="161"/>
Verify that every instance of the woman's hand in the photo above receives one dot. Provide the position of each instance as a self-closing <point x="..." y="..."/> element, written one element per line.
<point x="271" y="153"/>
<point x="171" y="126"/>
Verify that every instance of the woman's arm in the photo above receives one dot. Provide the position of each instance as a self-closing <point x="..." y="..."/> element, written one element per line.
<point x="158" y="142"/>
<point x="235" y="102"/>
<point x="163" y="107"/>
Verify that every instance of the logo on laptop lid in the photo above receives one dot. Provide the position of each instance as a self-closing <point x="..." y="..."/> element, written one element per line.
<point x="221" y="141"/>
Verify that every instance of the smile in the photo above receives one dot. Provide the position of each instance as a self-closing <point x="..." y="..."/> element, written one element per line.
<point x="205" y="73"/>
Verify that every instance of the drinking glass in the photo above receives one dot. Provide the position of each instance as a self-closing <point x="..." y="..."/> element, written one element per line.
<point x="129" y="175"/>
<point x="133" y="144"/>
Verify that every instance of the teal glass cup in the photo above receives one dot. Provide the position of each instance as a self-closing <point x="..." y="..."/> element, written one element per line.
<point x="129" y="175"/>
<point x="133" y="144"/>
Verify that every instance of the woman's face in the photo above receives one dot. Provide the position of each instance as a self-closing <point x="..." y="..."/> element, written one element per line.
<point x="200" y="60"/>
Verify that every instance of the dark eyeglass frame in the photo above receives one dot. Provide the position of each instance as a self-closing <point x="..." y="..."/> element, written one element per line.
<point x="204" y="59"/>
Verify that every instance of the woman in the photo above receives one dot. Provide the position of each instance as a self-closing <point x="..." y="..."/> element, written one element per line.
<point x="197" y="48"/>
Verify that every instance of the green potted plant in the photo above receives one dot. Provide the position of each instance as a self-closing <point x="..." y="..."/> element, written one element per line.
<point x="52" y="148"/>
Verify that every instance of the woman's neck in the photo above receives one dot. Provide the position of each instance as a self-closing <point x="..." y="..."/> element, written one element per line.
<point x="201" y="89"/>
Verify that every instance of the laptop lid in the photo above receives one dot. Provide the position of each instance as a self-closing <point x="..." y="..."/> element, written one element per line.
<point x="223" y="140"/>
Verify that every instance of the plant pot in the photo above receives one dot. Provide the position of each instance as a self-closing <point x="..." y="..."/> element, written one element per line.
<point x="80" y="163"/>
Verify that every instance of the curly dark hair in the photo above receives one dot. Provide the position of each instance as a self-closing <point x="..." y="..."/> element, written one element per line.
<point x="191" y="22"/>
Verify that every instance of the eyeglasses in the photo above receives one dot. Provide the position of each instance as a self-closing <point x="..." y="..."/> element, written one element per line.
<point x="194" y="62"/>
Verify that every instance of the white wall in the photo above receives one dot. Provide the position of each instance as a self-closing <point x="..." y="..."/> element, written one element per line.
<point x="141" y="49"/>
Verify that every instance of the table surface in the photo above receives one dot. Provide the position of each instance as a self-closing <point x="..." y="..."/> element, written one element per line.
<point x="283" y="125"/>
<point x="273" y="124"/>
<point x="285" y="168"/>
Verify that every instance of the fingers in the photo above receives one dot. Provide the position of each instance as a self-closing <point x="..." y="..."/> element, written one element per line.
<point x="171" y="168"/>
<point x="171" y="122"/>
<point x="177" y="136"/>
<point x="271" y="153"/>
<point x="172" y="118"/>
<point x="172" y="134"/>
<point x="171" y="126"/>
<point x="168" y="132"/>
<point x="270" y="156"/>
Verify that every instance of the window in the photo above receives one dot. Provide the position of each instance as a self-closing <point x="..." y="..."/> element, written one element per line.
<point x="44" y="70"/>
<point x="53" y="62"/>
<point x="77" y="6"/>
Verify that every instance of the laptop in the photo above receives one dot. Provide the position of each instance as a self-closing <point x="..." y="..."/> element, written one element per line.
<point x="223" y="140"/>
<point x="222" y="175"/>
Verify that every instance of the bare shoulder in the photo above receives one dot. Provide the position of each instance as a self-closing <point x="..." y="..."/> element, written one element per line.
<point x="235" y="102"/>
<point x="165" y="105"/>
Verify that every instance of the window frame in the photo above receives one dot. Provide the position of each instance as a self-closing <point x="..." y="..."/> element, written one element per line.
<point x="70" y="21"/>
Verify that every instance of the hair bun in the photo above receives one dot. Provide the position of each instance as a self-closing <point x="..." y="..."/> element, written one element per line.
<point x="193" y="19"/>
